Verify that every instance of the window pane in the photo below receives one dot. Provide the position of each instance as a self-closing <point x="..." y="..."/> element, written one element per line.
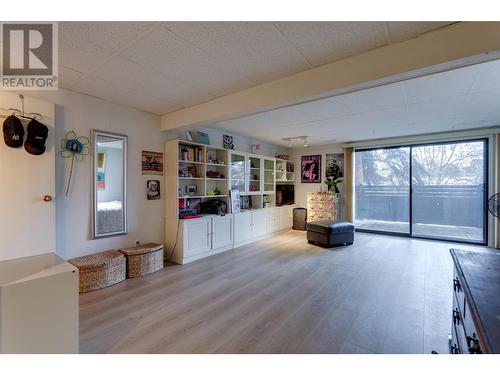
<point x="382" y="190"/>
<point x="448" y="190"/>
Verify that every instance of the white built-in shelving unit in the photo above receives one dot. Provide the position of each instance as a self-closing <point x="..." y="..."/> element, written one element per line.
<point x="195" y="173"/>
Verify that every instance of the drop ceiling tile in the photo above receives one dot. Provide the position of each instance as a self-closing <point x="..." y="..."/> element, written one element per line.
<point x="481" y="104"/>
<point x="109" y="36"/>
<point x="68" y="77"/>
<point x="488" y="77"/>
<point x="114" y="93"/>
<point x="149" y="82"/>
<point x="400" y="31"/>
<point x="436" y="110"/>
<point x="324" y="42"/>
<point x="258" y="49"/>
<point x="80" y="55"/>
<point x="441" y="85"/>
<point x="162" y="51"/>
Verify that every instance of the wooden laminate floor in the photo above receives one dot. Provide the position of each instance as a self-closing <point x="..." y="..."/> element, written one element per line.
<point x="282" y="295"/>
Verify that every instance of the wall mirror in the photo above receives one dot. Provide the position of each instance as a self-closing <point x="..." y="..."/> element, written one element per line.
<point x="109" y="176"/>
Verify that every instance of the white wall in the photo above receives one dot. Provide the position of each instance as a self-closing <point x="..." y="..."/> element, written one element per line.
<point x="82" y="113"/>
<point x="301" y="189"/>
<point x="240" y="143"/>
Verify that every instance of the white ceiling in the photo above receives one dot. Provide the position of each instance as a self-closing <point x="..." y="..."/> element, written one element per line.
<point x="161" y="67"/>
<point x="459" y="99"/>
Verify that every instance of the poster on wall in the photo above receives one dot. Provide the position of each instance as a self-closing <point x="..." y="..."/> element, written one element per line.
<point x="334" y="166"/>
<point x="310" y="169"/>
<point x="228" y="141"/>
<point x="152" y="162"/>
<point x="153" y="189"/>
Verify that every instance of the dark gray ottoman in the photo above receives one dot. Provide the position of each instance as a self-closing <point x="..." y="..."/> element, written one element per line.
<point x="330" y="232"/>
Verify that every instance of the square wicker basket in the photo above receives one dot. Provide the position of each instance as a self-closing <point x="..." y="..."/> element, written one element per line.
<point x="143" y="259"/>
<point x="100" y="270"/>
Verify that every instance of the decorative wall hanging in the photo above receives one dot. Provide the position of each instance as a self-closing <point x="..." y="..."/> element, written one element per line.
<point x="228" y="141"/>
<point x="152" y="162"/>
<point x="73" y="147"/>
<point x="310" y="169"/>
<point x="153" y="189"/>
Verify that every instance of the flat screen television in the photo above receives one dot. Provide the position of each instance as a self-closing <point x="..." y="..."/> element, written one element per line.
<point x="285" y="194"/>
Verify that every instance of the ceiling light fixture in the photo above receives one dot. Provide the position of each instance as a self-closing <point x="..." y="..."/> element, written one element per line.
<point x="290" y="140"/>
<point x="305" y="142"/>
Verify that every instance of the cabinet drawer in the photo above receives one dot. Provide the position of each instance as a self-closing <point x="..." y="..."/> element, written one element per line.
<point x="458" y="290"/>
<point x="454" y="344"/>
<point x="457" y="320"/>
<point x="471" y="338"/>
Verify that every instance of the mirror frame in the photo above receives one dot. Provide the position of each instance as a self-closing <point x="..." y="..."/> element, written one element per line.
<point x="95" y="134"/>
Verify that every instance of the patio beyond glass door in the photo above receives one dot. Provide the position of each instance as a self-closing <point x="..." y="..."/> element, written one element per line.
<point x="382" y="179"/>
<point x="446" y="197"/>
<point x="449" y="191"/>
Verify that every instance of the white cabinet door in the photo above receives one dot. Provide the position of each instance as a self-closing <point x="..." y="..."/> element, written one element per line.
<point x="196" y="236"/>
<point x="238" y="171"/>
<point x="286" y="217"/>
<point x="259" y="223"/>
<point x="222" y="231"/>
<point x="242" y="226"/>
<point x="272" y="218"/>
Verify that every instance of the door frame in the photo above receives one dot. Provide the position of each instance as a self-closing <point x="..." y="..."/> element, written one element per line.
<point x="486" y="184"/>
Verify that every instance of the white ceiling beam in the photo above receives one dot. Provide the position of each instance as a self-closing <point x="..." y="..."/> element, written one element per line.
<point x="450" y="47"/>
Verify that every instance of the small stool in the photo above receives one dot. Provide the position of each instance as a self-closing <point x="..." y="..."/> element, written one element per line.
<point x="100" y="270"/>
<point x="330" y="232"/>
<point x="143" y="259"/>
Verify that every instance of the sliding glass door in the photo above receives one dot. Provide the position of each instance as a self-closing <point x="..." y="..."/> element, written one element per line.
<point x="433" y="190"/>
<point x="382" y="180"/>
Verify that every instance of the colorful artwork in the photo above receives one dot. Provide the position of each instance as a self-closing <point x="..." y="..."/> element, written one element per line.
<point x="310" y="169"/>
<point x="152" y="162"/>
<point x="73" y="147"/>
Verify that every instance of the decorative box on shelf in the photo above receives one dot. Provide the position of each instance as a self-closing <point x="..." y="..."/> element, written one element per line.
<point x="320" y="206"/>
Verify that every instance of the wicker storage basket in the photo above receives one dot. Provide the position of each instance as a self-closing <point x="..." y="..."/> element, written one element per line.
<point x="143" y="259"/>
<point x="100" y="270"/>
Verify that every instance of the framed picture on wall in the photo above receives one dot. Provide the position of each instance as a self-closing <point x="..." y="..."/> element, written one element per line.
<point x="153" y="190"/>
<point x="334" y="166"/>
<point x="310" y="169"/>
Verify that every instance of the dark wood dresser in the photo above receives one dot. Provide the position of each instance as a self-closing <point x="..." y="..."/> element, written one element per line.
<point x="476" y="302"/>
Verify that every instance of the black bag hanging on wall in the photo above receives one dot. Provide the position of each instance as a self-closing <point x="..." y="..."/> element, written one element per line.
<point x="13" y="132"/>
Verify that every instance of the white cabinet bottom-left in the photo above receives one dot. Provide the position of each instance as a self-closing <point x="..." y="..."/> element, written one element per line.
<point x="38" y="305"/>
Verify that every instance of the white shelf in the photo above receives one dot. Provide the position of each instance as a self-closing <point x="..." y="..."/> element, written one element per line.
<point x="216" y="179"/>
<point x="216" y="165"/>
<point x="191" y="162"/>
<point x="190" y="178"/>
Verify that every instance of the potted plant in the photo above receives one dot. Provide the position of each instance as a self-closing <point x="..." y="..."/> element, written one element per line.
<point x="332" y="183"/>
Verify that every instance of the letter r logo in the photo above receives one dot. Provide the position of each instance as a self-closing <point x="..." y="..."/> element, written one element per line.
<point x="27" y="49"/>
